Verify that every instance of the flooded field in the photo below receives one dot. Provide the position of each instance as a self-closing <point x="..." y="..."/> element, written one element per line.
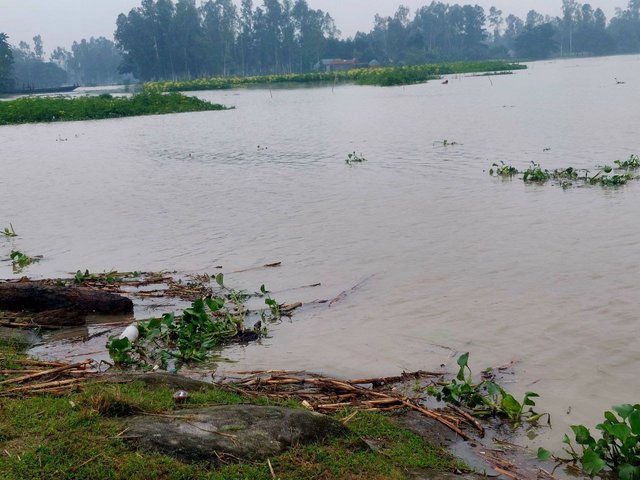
<point x="446" y="258"/>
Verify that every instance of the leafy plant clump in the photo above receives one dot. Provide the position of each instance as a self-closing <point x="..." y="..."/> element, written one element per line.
<point x="9" y="231"/>
<point x="503" y="170"/>
<point x="384" y="76"/>
<point x="59" y="109"/>
<point x="485" y="398"/>
<point x="607" y="176"/>
<point x="209" y="323"/>
<point x="354" y="158"/>
<point x="617" y="449"/>
<point x="21" y="260"/>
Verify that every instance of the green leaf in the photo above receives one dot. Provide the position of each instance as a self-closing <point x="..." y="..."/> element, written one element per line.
<point x="592" y="464"/>
<point x="544" y="454"/>
<point x="611" y="417"/>
<point x="634" y="421"/>
<point x="623" y="410"/>
<point x="510" y="406"/>
<point x="628" y="472"/>
<point x="220" y="280"/>
<point x="583" y="437"/>
<point x="619" y="430"/>
<point x="527" y="398"/>
<point x="463" y="361"/>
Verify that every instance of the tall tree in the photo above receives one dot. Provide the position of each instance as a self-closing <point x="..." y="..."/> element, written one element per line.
<point x="6" y="62"/>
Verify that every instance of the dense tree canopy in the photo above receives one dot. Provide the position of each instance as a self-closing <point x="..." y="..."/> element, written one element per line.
<point x="6" y="62"/>
<point x="182" y="39"/>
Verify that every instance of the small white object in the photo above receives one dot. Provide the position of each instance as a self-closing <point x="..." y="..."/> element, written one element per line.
<point x="131" y="332"/>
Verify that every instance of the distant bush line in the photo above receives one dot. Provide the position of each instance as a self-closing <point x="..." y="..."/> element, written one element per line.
<point x="386" y="76"/>
<point x="65" y="109"/>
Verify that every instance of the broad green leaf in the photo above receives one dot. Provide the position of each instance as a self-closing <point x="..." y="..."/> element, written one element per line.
<point x="527" y="398"/>
<point x="510" y="406"/>
<point x="628" y="472"/>
<point x="463" y="360"/>
<point x="544" y="454"/>
<point x="120" y="344"/>
<point x="583" y="437"/>
<point x="623" y="410"/>
<point x="620" y="431"/>
<point x="592" y="464"/>
<point x="220" y="280"/>
<point x="611" y="417"/>
<point x="634" y="421"/>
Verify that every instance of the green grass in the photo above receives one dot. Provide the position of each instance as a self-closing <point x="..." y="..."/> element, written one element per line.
<point x="76" y="437"/>
<point x="386" y="76"/>
<point x="64" y="109"/>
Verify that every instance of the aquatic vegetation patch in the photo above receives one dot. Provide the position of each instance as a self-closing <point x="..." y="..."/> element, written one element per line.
<point x="485" y="397"/>
<point x="9" y="231"/>
<point x="66" y="109"/>
<point x="384" y="76"/>
<point x="606" y="176"/>
<point x="209" y="323"/>
<point x="354" y="158"/>
<point x="617" y="450"/>
<point x="20" y="260"/>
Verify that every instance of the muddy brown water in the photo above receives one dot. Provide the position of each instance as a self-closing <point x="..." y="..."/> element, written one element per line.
<point x="454" y="260"/>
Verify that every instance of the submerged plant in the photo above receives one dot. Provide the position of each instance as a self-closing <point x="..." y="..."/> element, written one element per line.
<point x="617" y="449"/>
<point x="355" y="158"/>
<point x="9" y="231"/>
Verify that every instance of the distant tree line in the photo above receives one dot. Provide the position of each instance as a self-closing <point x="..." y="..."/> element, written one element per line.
<point x="182" y="39"/>
<point x="90" y="62"/>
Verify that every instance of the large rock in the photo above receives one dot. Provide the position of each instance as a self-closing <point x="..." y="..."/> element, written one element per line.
<point x="230" y="433"/>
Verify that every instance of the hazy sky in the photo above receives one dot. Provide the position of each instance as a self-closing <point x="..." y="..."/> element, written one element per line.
<point x="60" y="22"/>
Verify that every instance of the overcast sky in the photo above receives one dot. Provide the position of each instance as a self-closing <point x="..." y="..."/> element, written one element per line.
<point x="60" y="22"/>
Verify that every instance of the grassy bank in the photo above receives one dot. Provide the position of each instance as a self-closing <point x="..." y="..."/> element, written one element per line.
<point x="65" y="109"/>
<point x="77" y="436"/>
<point x="386" y="76"/>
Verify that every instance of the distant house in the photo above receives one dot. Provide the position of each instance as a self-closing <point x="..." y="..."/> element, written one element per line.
<point x="336" y="64"/>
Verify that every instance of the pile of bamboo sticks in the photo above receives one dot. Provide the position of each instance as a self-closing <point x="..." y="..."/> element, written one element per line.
<point x="328" y="395"/>
<point x="38" y="377"/>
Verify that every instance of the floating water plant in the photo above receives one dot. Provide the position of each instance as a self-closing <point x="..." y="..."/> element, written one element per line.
<point x="485" y="398"/>
<point x="503" y="170"/>
<point x="607" y="176"/>
<point x="535" y="173"/>
<point x="21" y="260"/>
<point x="208" y="323"/>
<point x="355" y="158"/>
<point x="9" y="231"/>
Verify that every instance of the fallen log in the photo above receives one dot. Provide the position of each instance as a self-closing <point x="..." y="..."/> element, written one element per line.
<point x="35" y="297"/>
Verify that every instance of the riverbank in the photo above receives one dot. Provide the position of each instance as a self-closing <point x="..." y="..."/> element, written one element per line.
<point x="385" y="76"/>
<point x="79" y="435"/>
<point x="66" y="109"/>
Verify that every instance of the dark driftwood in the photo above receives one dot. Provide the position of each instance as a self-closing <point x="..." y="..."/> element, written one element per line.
<point x="35" y="297"/>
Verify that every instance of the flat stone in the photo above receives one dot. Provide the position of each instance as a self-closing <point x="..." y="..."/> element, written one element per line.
<point x="230" y="433"/>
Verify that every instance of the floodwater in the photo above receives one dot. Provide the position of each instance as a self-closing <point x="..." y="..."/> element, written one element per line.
<point x="446" y="258"/>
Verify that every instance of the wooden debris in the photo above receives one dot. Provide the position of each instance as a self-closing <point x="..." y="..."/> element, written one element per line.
<point x="59" y="380"/>
<point x="328" y="395"/>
